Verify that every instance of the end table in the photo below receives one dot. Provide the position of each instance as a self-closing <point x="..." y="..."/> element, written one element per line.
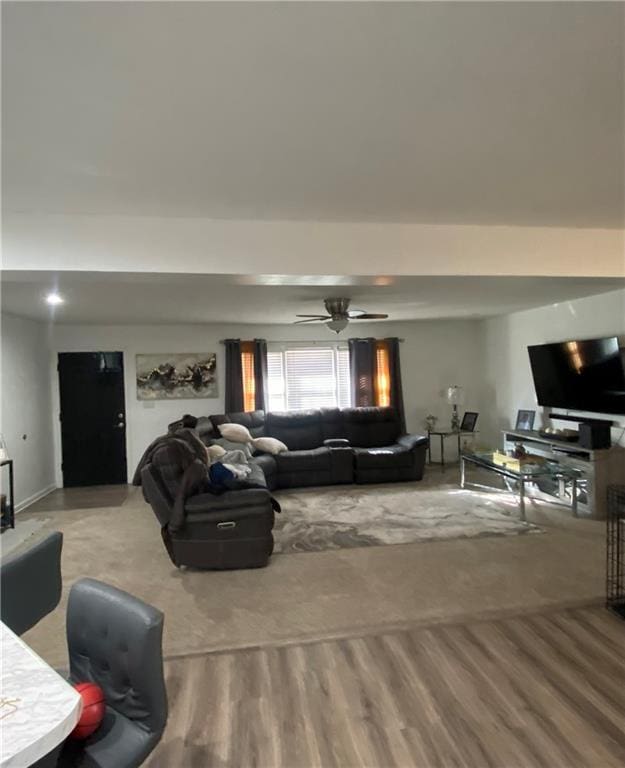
<point x="443" y="435"/>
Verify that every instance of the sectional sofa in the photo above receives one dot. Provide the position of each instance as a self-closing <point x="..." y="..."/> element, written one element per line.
<point x="234" y="528"/>
<point x="329" y="446"/>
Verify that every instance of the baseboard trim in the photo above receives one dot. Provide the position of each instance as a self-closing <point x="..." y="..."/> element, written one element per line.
<point x="35" y="497"/>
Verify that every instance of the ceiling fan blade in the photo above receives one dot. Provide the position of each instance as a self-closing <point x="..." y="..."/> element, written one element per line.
<point x="311" y="320"/>
<point x="369" y="316"/>
<point x="354" y="313"/>
<point x="320" y="317"/>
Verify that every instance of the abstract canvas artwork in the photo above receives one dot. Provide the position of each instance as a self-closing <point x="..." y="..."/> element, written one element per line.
<point x="176" y="376"/>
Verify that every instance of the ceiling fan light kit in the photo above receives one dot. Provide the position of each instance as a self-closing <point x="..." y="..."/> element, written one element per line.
<point x="338" y="325"/>
<point x="339" y="315"/>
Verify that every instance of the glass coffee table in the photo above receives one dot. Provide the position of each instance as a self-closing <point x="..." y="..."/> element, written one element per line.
<point x="528" y="473"/>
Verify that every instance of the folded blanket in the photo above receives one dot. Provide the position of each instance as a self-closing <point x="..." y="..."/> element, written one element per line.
<point x="184" y="448"/>
<point x="197" y="447"/>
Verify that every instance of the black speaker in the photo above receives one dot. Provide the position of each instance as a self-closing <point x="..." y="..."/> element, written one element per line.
<point x="595" y="435"/>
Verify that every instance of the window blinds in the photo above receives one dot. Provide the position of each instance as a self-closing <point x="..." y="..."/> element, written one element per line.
<point x="308" y="377"/>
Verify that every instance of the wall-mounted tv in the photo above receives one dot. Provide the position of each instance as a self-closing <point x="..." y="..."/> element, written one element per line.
<point x="583" y="375"/>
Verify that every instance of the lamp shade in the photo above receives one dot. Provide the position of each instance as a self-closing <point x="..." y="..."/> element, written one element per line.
<point x="455" y="395"/>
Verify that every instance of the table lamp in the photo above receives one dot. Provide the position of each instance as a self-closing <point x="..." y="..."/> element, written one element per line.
<point x="455" y="397"/>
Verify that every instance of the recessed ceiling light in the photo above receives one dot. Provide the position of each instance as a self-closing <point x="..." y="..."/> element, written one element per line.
<point x="53" y="299"/>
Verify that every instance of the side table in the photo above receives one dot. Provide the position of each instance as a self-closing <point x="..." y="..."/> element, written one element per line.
<point x="443" y="435"/>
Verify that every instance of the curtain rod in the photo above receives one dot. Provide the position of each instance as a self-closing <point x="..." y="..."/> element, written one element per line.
<point x="306" y="341"/>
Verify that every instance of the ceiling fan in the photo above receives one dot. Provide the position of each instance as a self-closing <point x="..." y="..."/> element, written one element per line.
<point x="339" y="315"/>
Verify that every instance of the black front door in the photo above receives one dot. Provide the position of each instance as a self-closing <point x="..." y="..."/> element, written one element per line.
<point x="93" y="418"/>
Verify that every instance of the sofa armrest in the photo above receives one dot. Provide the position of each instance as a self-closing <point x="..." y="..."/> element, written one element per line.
<point x="230" y="500"/>
<point x="336" y="442"/>
<point x="412" y="441"/>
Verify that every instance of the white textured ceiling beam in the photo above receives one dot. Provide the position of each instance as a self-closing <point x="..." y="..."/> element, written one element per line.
<point x="196" y="245"/>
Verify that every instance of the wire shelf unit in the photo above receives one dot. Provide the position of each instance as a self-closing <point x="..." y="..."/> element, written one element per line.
<point x="615" y="581"/>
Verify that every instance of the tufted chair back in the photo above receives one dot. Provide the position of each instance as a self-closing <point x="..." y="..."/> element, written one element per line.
<point x="115" y="640"/>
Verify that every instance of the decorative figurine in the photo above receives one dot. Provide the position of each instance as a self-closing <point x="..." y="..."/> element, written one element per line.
<point x="430" y="422"/>
<point x="519" y="451"/>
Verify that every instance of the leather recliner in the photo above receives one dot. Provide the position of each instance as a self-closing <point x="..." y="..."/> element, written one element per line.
<point x="225" y="531"/>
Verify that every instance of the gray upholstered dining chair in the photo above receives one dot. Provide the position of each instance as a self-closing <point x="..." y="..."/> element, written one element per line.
<point x="115" y="640"/>
<point x="30" y="583"/>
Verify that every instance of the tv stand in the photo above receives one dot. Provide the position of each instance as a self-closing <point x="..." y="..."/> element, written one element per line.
<point x="579" y="419"/>
<point x="599" y="468"/>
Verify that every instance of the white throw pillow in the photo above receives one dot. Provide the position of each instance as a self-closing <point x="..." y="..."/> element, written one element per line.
<point x="215" y="452"/>
<point x="269" y="445"/>
<point x="237" y="433"/>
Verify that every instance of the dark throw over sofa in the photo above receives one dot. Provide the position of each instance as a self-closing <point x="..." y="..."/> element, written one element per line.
<point x="327" y="446"/>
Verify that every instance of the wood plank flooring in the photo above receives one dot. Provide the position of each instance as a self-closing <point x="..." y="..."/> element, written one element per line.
<point x="545" y="690"/>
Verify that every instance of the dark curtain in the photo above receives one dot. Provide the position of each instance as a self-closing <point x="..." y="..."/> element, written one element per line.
<point x="363" y="362"/>
<point x="397" y="394"/>
<point x="362" y="366"/>
<point x="234" y="377"/>
<point x="260" y="374"/>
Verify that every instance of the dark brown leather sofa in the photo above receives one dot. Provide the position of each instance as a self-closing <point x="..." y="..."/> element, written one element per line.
<point x="330" y="446"/>
<point x="327" y="446"/>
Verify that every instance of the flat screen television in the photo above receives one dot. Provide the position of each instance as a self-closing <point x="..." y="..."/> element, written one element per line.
<point x="583" y="375"/>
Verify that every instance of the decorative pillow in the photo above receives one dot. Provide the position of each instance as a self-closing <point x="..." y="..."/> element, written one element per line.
<point x="215" y="452"/>
<point x="269" y="445"/>
<point x="237" y="433"/>
<point x="230" y="445"/>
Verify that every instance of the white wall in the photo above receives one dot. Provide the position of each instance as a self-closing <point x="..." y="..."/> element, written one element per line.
<point x="489" y="358"/>
<point x="27" y="407"/>
<point x="434" y="355"/>
<point x="508" y="382"/>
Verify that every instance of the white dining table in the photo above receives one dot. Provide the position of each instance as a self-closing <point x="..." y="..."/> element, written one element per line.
<point x="38" y="708"/>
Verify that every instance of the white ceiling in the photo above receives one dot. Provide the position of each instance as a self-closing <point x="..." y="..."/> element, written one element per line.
<point x="504" y="113"/>
<point x="164" y="298"/>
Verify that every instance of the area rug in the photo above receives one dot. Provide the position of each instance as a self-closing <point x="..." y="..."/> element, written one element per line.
<point x="342" y="518"/>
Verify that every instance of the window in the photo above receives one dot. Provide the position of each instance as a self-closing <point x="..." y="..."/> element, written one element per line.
<point x="247" y="369"/>
<point x="301" y="377"/>
<point x="382" y="384"/>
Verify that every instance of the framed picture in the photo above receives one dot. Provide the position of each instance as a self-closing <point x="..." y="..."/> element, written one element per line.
<point x="468" y="421"/>
<point x="525" y="420"/>
<point x="176" y="376"/>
